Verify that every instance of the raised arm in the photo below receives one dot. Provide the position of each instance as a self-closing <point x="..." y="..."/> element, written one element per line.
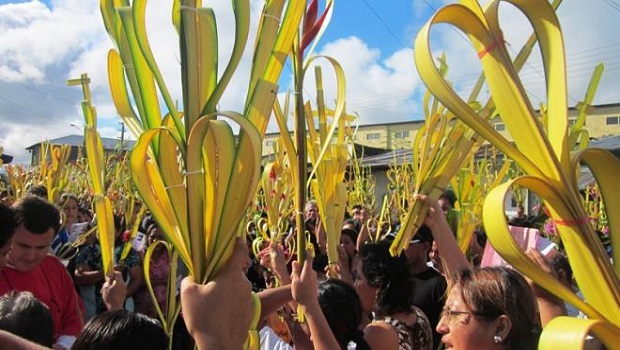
<point x="273" y="298"/>
<point x="549" y="306"/>
<point x="305" y="292"/>
<point x="451" y="256"/>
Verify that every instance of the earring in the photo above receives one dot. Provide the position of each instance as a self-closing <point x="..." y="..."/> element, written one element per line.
<point x="497" y="339"/>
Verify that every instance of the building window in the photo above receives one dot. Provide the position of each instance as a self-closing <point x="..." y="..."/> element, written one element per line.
<point x="571" y="122"/>
<point x="401" y="134"/>
<point x="373" y="136"/>
<point x="613" y="120"/>
<point x="269" y="143"/>
<point x="500" y="126"/>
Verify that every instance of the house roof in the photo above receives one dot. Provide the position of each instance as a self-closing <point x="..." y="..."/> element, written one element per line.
<point x="363" y="150"/>
<point x="383" y="160"/>
<point x="611" y="142"/>
<point x="6" y="159"/>
<point x="403" y="155"/>
<point x="78" y="141"/>
<point x="586" y="178"/>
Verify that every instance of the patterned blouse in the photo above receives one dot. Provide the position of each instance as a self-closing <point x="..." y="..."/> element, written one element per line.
<point x="415" y="337"/>
<point x="90" y="255"/>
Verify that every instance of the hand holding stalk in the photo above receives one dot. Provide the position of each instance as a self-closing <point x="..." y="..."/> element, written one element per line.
<point x="207" y="309"/>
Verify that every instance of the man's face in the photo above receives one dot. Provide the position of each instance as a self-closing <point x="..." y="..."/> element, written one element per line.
<point x="29" y="249"/>
<point x="359" y="214"/>
<point x="417" y="254"/>
<point x="311" y="212"/>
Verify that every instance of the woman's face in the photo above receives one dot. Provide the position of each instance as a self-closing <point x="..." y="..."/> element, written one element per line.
<point x="366" y="292"/>
<point x="347" y="243"/>
<point x="84" y="217"/>
<point x="70" y="208"/>
<point x="462" y="330"/>
<point x="156" y="234"/>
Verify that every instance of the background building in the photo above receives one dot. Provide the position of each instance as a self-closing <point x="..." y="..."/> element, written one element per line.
<point x="396" y="139"/>
<point x="76" y="142"/>
<point x="602" y="120"/>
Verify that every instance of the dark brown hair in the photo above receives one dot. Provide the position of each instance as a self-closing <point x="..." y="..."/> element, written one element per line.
<point x="121" y="330"/>
<point x="24" y="315"/>
<point x="37" y="214"/>
<point x="490" y="292"/>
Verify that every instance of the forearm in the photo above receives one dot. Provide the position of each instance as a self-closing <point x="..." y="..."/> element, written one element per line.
<point x="452" y="257"/>
<point x="282" y="275"/>
<point x="272" y="299"/>
<point x="321" y="241"/>
<point x="322" y="336"/>
<point x="550" y="309"/>
<point x="301" y="336"/>
<point x="345" y="274"/>
<point x="362" y="237"/>
<point x="136" y="281"/>
<point x="11" y="341"/>
<point x="87" y="277"/>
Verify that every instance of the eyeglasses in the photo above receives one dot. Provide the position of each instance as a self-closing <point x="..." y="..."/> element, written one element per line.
<point x="450" y="314"/>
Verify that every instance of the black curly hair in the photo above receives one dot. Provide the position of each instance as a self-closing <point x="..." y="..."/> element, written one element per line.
<point x="389" y="274"/>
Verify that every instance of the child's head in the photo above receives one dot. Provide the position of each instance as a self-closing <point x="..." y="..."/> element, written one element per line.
<point x="23" y="315"/>
<point x="7" y="228"/>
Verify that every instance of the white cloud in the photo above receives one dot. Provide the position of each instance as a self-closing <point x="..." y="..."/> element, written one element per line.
<point x="40" y="37"/>
<point x="379" y="89"/>
<point x="41" y="47"/>
<point x="589" y="36"/>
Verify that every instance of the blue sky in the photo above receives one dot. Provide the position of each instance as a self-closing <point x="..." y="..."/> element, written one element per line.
<point x="42" y="44"/>
<point x="386" y="25"/>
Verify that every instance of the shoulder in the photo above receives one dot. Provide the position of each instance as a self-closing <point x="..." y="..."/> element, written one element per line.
<point x="430" y="279"/>
<point x="51" y="261"/>
<point x="52" y="264"/>
<point x="429" y="274"/>
<point x="421" y="329"/>
<point x="381" y="335"/>
<point x="87" y="250"/>
<point x="133" y="258"/>
<point x="420" y="317"/>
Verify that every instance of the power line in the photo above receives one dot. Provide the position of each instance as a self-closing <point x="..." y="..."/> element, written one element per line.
<point x="399" y="40"/>
<point x="46" y="93"/>
<point x="613" y="4"/>
<point x="21" y="107"/>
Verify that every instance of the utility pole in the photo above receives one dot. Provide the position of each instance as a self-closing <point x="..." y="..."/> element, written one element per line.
<point x="122" y="137"/>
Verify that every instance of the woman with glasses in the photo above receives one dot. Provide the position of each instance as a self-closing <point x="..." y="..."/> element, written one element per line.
<point x="489" y="308"/>
<point x="486" y="308"/>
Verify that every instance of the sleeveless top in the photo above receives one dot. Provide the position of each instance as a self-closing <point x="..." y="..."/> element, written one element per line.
<point x="415" y="337"/>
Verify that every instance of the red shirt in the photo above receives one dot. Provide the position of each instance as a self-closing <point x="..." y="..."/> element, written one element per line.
<point x="51" y="284"/>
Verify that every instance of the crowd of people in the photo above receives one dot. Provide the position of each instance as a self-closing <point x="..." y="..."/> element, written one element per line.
<point x="432" y="294"/>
